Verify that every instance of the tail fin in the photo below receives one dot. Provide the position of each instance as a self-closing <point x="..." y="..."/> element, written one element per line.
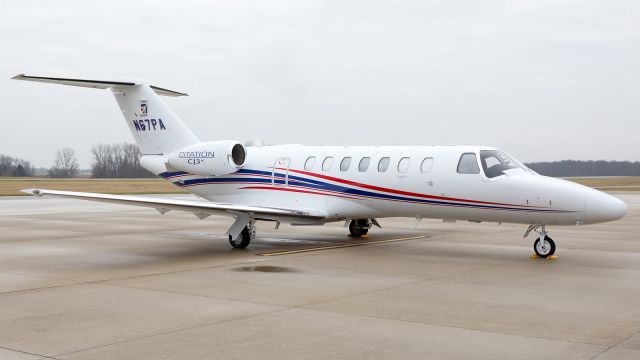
<point x="156" y="129"/>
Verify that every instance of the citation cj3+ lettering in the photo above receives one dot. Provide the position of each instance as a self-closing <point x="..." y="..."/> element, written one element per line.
<point x="314" y="185"/>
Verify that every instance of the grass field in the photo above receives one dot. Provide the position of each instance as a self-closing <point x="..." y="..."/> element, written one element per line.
<point x="12" y="186"/>
<point x="622" y="183"/>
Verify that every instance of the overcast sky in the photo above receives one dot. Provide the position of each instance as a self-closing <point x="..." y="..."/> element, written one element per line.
<point x="543" y="80"/>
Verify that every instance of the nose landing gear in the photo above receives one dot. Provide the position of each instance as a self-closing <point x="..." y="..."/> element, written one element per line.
<point x="544" y="246"/>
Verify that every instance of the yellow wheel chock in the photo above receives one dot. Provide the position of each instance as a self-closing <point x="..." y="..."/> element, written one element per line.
<point x="552" y="257"/>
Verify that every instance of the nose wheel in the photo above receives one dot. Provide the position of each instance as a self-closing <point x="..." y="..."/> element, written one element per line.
<point x="544" y="246"/>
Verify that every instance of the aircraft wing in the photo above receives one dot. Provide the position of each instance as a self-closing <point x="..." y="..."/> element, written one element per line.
<point x="201" y="209"/>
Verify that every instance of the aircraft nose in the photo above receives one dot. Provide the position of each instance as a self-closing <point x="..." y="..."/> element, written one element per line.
<point x="601" y="207"/>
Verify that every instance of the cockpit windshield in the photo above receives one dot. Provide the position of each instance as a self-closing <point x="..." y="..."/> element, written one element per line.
<point x="496" y="162"/>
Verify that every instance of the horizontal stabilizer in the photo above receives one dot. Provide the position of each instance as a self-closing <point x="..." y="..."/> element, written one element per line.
<point x="96" y="84"/>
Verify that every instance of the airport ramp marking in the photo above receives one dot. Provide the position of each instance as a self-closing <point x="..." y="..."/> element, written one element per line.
<point x="340" y="246"/>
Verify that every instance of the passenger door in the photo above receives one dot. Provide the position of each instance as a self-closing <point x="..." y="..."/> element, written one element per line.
<point x="280" y="172"/>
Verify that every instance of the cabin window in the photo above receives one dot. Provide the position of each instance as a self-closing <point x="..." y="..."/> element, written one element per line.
<point x="364" y="164"/>
<point x="311" y="161"/>
<point x="426" y="165"/>
<point x="345" y="164"/>
<point x="403" y="165"/>
<point x="326" y="164"/>
<point x="468" y="164"/>
<point x="383" y="164"/>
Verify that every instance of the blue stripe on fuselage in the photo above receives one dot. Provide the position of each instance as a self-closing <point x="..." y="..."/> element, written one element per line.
<point x="313" y="184"/>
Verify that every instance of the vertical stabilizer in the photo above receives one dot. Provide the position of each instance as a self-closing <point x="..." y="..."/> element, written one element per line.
<point x="155" y="127"/>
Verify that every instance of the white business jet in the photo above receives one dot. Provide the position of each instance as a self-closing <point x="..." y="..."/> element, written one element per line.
<point x="314" y="185"/>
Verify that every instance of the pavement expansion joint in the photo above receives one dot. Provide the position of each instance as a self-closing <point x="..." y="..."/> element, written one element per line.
<point x="340" y="246"/>
<point x="29" y="353"/>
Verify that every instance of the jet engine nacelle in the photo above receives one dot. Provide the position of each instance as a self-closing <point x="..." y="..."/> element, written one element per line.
<point x="209" y="158"/>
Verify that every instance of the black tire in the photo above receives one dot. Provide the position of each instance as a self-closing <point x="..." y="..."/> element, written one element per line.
<point x="242" y="241"/>
<point x="358" y="228"/>
<point x="544" y="250"/>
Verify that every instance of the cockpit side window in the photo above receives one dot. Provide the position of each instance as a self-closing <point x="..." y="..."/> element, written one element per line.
<point x="468" y="164"/>
<point x="495" y="163"/>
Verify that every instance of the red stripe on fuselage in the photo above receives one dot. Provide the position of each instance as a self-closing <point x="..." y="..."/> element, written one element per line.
<point x="331" y="193"/>
<point x="401" y="192"/>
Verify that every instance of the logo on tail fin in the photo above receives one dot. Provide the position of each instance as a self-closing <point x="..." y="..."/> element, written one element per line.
<point x="143" y="108"/>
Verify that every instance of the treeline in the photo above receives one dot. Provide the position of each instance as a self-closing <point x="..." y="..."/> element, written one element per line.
<point x="117" y="161"/>
<point x="15" y="167"/>
<point x="568" y="168"/>
<point x="109" y="161"/>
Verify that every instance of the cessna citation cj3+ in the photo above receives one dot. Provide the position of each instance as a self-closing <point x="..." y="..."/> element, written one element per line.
<point x="314" y="185"/>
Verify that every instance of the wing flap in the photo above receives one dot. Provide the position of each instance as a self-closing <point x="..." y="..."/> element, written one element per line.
<point x="200" y="208"/>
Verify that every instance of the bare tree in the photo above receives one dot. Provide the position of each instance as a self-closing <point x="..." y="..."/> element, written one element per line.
<point x="117" y="161"/>
<point x="102" y="159"/>
<point x="131" y="161"/>
<point x="5" y="165"/>
<point x="22" y="168"/>
<point x="65" y="165"/>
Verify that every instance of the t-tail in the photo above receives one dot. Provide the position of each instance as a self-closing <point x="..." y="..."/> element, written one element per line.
<point x="166" y="143"/>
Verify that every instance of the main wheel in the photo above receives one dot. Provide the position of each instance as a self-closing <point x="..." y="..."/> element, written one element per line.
<point x="242" y="241"/>
<point x="358" y="228"/>
<point x="544" y="248"/>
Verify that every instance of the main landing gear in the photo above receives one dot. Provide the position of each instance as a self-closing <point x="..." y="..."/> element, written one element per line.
<point x="242" y="232"/>
<point x="242" y="240"/>
<point x="360" y="227"/>
<point x="544" y="245"/>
